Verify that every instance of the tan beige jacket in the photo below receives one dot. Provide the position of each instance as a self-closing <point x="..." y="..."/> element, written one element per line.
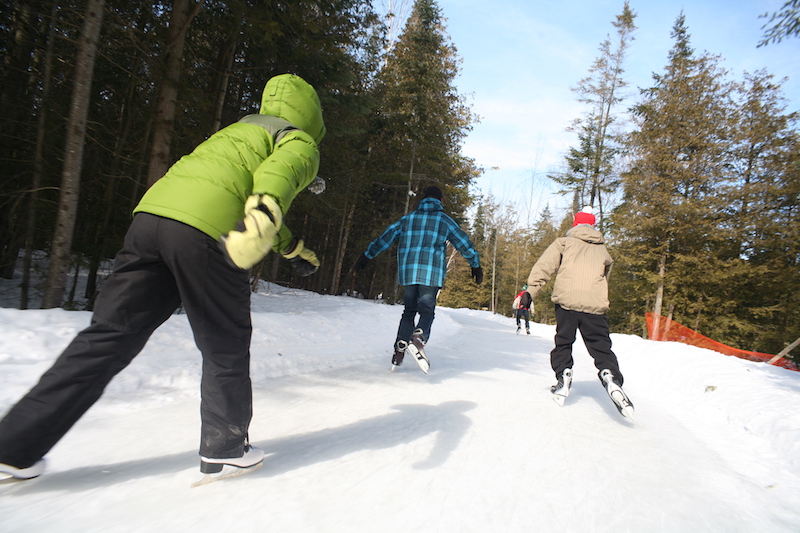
<point x="582" y="263"/>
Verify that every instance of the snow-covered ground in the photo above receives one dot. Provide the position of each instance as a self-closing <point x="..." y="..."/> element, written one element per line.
<point x="477" y="445"/>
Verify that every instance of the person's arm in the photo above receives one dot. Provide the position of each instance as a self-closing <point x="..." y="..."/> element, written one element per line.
<point x="291" y="166"/>
<point x="545" y="267"/>
<point x="463" y="244"/>
<point x="382" y="243"/>
<point x="389" y="235"/>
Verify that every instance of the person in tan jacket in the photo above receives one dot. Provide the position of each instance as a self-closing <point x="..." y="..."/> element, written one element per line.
<point x="580" y="294"/>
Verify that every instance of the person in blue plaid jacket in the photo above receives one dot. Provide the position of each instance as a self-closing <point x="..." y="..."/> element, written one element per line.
<point x="422" y="237"/>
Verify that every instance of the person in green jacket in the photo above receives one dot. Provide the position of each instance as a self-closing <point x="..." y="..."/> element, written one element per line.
<point x="196" y="232"/>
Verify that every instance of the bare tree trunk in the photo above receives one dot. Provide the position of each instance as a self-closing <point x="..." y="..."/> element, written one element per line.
<point x="73" y="155"/>
<point x="101" y="230"/>
<point x="343" y="238"/>
<point x="410" y="175"/>
<point x="183" y="11"/>
<point x="662" y="268"/>
<point x="225" y="64"/>
<point x="38" y="164"/>
<point x="494" y="271"/>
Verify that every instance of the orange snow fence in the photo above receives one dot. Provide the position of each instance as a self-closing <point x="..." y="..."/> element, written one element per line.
<point x="660" y="328"/>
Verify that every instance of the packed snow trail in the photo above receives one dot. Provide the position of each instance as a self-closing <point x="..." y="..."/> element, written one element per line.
<point x="475" y="445"/>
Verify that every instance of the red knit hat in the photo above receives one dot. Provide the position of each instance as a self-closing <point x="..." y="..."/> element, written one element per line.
<point x="584" y="216"/>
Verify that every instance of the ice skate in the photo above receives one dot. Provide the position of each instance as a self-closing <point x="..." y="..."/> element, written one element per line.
<point x="399" y="353"/>
<point x="417" y="349"/>
<point x="8" y="472"/>
<point x="618" y="396"/>
<point x="561" y="389"/>
<point x="224" y="468"/>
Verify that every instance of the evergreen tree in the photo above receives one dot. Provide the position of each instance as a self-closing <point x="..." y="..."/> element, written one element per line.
<point x="416" y="134"/>
<point x="762" y="212"/>
<point x="668" y="223"/>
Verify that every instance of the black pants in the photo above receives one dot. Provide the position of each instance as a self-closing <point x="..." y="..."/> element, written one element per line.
<point x="162" y="263"/>
<point x="596" y="336"/>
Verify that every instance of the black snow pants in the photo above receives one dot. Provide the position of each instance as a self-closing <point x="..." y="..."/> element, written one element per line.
<point x="596" y="337"/>
<point x="162" y="263"/>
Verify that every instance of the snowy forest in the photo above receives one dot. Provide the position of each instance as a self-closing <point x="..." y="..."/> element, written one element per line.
<point x="695" y="180"/>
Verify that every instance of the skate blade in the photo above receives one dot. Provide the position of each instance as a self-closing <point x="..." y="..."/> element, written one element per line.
<point x="560" y="399"/>
<point x="623" y="405"/>
<point x="233" y="472"/>
<point x="419" y="357"/>
<point x="8" y="479"/>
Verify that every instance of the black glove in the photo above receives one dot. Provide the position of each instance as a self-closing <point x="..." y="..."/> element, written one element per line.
<point x="361" y="263"/>
<point x="303" y="261"/>
<point x="477" y="275"/>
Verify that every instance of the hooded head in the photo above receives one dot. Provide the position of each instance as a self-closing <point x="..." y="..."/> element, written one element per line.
<point x="291" y="98"/>
<point x="584" y="216"/>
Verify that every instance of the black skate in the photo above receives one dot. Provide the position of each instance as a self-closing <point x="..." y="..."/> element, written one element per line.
<point x="618" y="396"/>
<point x="399" y="353"/>
<point x="561" y="389"/>
<point x="218" y="469"/>
<point x="12" y="473"/>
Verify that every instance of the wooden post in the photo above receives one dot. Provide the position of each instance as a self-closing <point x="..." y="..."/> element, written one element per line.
<point x="784" y="351"/>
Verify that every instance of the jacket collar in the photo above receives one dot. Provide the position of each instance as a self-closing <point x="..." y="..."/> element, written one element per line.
<point x="430" y="204"/>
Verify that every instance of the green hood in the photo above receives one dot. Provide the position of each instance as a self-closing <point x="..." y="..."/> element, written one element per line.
<point x="289" y="97"/>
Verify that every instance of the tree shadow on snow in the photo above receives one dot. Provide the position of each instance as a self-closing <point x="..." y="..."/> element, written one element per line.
<point x="405" y="424"/>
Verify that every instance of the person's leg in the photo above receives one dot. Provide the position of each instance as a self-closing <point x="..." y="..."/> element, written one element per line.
<point x="518" y="313"/>
<point x="216" y="297"/>
<point x="526" y="314"/>
<point x="426" y="306"/>
<point x="406" y="327"/>
<point x="596" y="336"/>
<point x="566" y="329"/>
<point x="138" y="297"/>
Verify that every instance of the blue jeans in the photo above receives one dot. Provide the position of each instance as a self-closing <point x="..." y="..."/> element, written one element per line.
<point x="417" y="299"/>
<point x="523" y="313"/>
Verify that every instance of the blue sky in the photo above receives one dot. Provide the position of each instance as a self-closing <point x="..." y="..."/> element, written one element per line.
<point x="521" y="57"/>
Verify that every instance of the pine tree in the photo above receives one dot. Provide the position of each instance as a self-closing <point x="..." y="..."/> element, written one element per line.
<point x="762" y="214"/>
<point x="423" y="119"/>
<point x="416" y="133"/>
<point x="668" y="223"/>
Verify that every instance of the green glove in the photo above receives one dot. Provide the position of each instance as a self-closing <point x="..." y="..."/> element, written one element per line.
<point x="303" y="261"/>
<point x="262" y="220"/>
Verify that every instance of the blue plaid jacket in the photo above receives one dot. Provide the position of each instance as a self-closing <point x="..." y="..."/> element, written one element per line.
<point x="423" y="235"/>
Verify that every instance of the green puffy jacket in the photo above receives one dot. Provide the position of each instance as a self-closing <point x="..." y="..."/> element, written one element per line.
<point x="274" y="153"/>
